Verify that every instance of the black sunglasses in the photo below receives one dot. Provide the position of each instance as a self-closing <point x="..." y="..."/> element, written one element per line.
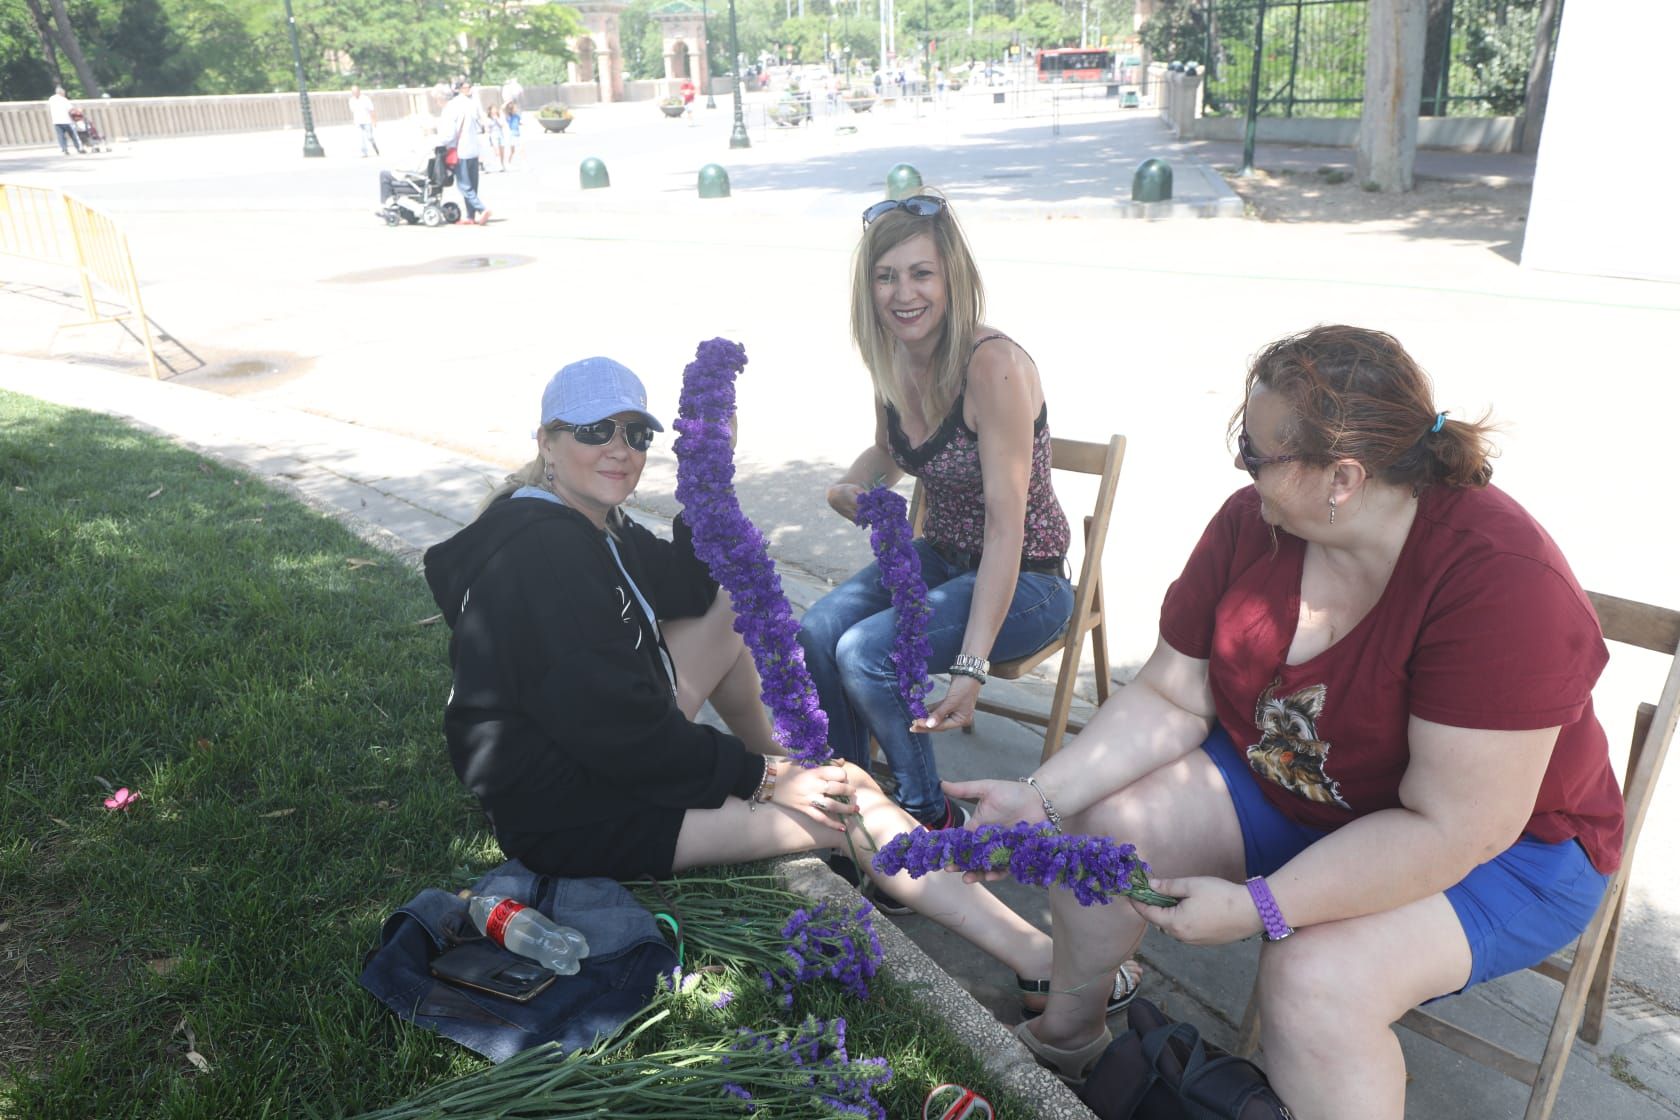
<point x="1254" y="462"/>
<point x="637" y="434"/>
<point x="921" y="205"/>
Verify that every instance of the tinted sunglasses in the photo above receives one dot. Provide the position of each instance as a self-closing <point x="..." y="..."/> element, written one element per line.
<point x="921" y="205"/>
<point x="1254" y="462"/>
<point x="637" y="434"/>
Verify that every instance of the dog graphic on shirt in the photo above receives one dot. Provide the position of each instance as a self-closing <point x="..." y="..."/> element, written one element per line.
<point x="1290" y="752"/>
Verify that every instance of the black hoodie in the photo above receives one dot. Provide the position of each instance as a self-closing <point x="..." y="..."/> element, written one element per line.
<point x="562" y="713"/>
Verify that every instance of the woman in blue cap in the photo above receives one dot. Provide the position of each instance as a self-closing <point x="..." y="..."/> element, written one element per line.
<point x="583" y="647"/>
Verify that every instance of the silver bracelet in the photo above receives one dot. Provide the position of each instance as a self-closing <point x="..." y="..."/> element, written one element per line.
<point x="1050" y="813"/>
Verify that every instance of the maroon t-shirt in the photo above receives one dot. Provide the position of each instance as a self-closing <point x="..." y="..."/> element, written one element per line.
<point x="1482" y="625"/>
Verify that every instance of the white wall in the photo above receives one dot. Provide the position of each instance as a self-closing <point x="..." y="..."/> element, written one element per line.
<point x="1605" y="180"/>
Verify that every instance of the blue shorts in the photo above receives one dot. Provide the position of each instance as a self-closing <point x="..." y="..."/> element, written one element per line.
<point x="1517" y="909"/>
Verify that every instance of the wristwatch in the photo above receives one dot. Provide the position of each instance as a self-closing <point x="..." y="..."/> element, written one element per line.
<point x="968" y="665"/>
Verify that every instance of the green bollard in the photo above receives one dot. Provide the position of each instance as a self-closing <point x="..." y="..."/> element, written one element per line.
<point x="592" y="173"/>
<point x="714" y="182"/>
<point x="903" y="181"/>
<point x="1152" y="182"/>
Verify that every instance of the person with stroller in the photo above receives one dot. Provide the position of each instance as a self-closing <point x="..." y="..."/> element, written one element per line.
<point x="60" y="110"/>
<point x="583" y="647"/>
<point x="461" y="128"/>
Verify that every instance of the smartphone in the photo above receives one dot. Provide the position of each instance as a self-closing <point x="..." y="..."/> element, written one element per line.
<point x="486" y="967"/>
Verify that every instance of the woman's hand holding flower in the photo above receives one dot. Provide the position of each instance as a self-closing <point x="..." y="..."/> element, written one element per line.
<point x="955" y="711"/>
<point x="842" y="497"/>
<point x="996" y="803"/>
<point x="1210" y="911"/>
<point x="823" y="793"/>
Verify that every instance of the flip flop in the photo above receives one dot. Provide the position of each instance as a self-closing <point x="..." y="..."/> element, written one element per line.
<point x="1124" y="991"/>
<point x="1072" y="1066"/>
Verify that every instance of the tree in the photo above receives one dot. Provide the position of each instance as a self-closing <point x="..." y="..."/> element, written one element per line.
<point x="1393" y="79"/>
<point x="498" y="32"/>
<point x="1177" y="31"/>
<point x="28" y="59"/>
<point x="72" y="47"/>
<point x="1046" y="25"/>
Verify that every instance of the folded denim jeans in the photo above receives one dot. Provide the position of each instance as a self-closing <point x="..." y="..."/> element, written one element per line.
<point x="627" y="954"/>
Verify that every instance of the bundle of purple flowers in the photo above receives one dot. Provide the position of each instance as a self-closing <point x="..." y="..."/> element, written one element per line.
<point x="883" y="512"/>
<point x="818" y="1049"/>
<point x="1095" y="868"/>
<point x="735" y="551"/>
<point x="842" y="947"/>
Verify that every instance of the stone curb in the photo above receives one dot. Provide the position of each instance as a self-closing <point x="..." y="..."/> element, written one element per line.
<point x="1003" y="1055"/>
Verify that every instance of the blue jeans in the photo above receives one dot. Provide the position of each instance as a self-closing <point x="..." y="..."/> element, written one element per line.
<point x="847" y="636"/>
<point x="466" y="181"/>
<point x="627" y="955"/>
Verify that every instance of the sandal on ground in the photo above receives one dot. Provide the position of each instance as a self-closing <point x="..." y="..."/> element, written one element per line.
<point x="1126" y="986"/>
<point x="1072" y="1066"/>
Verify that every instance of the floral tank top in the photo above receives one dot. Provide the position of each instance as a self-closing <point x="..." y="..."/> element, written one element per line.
<point x="948" y="465"/>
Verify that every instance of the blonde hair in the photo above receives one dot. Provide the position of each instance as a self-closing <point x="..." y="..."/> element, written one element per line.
<point x="533" y="473"/>
<point x="965" y="307"/>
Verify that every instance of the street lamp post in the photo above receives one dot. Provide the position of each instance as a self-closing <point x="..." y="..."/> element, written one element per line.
<point x="706" y="59"/>
<point x="738" y="137"/>
<point x="311" y="146"/>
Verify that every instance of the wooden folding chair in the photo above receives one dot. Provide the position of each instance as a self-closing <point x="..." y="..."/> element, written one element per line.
<point x="1585" y="974"/>
<point x="1078" y="457"/>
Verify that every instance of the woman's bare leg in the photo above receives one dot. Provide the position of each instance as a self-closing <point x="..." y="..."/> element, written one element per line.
<point x="1182" y="820"/>
<point x="713" y="663"/>
<point x="734" y="833"/>
<point x="1329" y="994"/>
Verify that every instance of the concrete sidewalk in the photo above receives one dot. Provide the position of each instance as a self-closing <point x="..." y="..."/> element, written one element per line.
<point x="405" y="495"/>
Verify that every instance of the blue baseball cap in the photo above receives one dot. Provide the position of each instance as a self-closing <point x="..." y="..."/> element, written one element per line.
<point x="594" y="389"/>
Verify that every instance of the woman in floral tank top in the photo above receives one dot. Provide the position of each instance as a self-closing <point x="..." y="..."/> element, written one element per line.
<point x="960" y="406"/>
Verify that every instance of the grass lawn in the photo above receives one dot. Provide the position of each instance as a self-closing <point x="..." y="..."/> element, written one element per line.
<point x="272" y="688"/>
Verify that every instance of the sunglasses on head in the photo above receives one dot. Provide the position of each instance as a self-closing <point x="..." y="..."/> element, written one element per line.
<point x="921" y="205"/>
<point x="1253" y="462"/>
<point x="637" y="434"/>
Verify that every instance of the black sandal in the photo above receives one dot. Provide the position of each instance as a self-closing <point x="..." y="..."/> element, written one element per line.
<point x="1124" y="991"/>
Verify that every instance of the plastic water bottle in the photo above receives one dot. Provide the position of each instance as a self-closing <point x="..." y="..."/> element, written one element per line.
<point x="529" y="932"/>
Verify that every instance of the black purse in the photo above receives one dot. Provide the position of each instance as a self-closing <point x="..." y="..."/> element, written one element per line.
<point x="1162" y="1070"/>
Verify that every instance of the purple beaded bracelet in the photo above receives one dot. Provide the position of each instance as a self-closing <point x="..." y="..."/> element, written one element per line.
<point x="1276" y="929"/>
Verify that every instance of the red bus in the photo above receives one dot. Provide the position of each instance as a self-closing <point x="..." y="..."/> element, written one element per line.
<point x="1075" y="64"/>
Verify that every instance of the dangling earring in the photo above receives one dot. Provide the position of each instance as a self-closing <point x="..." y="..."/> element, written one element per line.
<point x="1332" y="510"/>
<point x="548" y="476"/>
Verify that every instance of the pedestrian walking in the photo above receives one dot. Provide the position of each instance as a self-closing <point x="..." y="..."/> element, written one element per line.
<point x="363" y="116"/>
<point x="59" y="107"/>
<point x="495" y="135"/>
<point x="461" y="126"/>
<point x="515" y="121"/>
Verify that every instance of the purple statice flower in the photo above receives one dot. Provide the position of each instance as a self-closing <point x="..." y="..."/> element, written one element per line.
<point x="817" y="1060"/>
<point x="735" y="551"/>
<point x="1094" y="868"/>
<point x="884" y="513"/>
<point x="823" y="945"/>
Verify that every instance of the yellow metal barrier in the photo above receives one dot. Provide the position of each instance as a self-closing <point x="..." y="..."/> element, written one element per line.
<point x="49" y="226"/>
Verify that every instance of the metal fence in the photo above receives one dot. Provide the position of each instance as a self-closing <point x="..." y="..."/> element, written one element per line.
<point x="40" y="224"/>
<point x="1312" y="56"/>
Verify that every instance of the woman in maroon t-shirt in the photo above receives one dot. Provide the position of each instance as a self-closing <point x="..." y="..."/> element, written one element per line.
<point x="1367" y="729"/>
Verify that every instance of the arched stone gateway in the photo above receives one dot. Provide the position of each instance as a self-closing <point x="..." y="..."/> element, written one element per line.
<point x="683" y="28"/>
<point x="600" y="60"/>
